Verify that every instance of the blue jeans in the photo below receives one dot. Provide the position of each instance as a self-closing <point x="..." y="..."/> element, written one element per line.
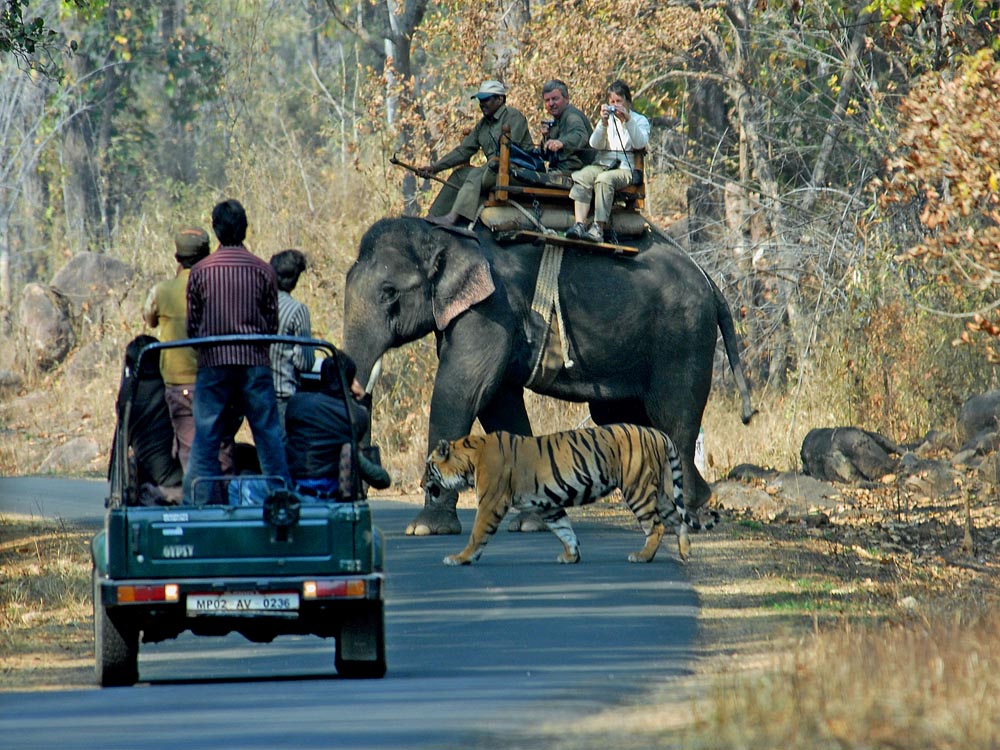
<point x="251" y="390"/>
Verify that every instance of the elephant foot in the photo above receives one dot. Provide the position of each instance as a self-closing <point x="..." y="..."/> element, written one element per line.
<point x="434" y="520"/>
<point x="527" y="521"/>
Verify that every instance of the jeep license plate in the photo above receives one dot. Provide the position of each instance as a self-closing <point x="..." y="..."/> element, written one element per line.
<point x="242" y="603"/>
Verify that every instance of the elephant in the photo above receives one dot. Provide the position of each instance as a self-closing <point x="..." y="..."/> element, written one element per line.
<point x="640" y="334"/>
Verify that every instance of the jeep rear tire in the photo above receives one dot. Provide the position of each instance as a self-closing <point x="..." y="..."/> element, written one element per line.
<point x="361" y="644"/>
<point x="116" y="645"/>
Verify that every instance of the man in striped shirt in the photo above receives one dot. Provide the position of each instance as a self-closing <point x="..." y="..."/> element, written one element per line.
<point x="288" y="360"/>
<point x="233" y="291"/>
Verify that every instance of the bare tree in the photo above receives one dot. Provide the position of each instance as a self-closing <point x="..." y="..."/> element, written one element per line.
<point x="393" y="47"/>
<point x="26" y="130"/>
<point x="762" y="155"/>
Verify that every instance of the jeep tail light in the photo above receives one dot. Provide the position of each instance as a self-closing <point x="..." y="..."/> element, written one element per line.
<point x="334" y="589"/>
<point x="166" y="592"/>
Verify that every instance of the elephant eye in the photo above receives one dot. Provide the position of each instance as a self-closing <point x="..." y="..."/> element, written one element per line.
<point x="388" y="294"/>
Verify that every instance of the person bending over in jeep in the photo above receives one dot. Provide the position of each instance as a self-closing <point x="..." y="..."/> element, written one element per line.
<point x="318" y="427"/>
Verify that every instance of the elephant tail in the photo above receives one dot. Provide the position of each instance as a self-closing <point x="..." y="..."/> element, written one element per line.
<point x="729" y="340"/>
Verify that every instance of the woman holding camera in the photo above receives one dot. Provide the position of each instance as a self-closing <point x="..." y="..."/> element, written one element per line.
<point x="620" y="132"/>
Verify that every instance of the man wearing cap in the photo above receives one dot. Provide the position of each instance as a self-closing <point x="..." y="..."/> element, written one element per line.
<point x="166" y="307"/>
<point x="459" y="198"/>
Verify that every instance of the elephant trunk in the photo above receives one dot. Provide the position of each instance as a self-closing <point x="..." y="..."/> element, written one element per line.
<point x="366" y="353"/>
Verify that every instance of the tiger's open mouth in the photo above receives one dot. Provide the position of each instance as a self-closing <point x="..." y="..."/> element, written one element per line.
<point x="435" y="483"/>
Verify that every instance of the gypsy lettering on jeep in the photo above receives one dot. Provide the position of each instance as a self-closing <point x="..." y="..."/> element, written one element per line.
<point x="178" y="550"/>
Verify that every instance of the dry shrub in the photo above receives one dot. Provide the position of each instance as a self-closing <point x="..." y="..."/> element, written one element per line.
<point x="772" y="438"/>
<point x="894" y="370"/>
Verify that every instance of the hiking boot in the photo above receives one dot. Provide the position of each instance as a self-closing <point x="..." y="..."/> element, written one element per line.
<point x="577" y="232"/>
<point x="594" y="234"/>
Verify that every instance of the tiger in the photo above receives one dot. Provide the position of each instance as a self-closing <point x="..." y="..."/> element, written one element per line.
<point x="549" y="473"/>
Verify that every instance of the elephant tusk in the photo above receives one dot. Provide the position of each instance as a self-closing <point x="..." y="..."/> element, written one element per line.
<point x="373" y="377"/>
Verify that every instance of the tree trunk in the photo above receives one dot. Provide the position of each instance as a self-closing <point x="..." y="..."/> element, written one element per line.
<point x="77" y="185"/>
<point x="512" y="17"/>
<point x="393" y="48"/>
<point x="708" y="129"/>
<point x="778" y="255"/>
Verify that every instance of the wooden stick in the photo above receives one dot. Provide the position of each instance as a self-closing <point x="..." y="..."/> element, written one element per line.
<point x="415" y="170"/>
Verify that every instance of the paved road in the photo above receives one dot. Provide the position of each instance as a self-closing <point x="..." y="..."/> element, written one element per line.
<point x="77" y="500"/>
<point x="478" y="656"/>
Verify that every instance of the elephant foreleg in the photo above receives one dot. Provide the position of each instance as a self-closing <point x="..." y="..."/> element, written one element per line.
<point x="507" y="412"/>
<point x="452" y="413"/>
<point x="438" y="516"/>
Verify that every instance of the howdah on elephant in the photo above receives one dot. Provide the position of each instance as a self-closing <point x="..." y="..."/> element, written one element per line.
<point x="637" y="335"/>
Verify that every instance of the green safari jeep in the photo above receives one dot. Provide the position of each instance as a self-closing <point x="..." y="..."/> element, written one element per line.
<point x="265" y="561"/>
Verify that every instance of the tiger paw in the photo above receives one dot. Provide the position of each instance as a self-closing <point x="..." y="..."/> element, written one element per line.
<point x="456" y="560"/>
<point x="640" y="557"/>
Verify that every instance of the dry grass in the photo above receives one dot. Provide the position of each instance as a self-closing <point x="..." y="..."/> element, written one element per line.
<point x="932" y="682"/>
<point x="46" y="636"/>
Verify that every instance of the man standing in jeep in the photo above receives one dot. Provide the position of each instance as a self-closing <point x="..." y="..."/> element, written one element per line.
<point x="233" y="291"/>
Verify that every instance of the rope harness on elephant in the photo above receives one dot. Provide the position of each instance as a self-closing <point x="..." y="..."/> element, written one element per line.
<point x="545" y="303"/>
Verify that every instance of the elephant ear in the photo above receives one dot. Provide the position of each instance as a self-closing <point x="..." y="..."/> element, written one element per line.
<point x="460" y="276"/>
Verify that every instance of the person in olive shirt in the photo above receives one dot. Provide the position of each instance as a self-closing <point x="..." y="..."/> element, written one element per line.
<point x="460" y="197"/>
<point x="166" y="308"/>
<point x="565" y="143"/>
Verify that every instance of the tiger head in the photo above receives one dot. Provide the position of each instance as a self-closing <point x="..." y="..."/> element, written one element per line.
<point x="451" y="466"/>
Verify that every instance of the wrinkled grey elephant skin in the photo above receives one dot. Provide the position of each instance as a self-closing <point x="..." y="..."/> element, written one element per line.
<point x="848" y="454"/>
<point x="642" y="334"/>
